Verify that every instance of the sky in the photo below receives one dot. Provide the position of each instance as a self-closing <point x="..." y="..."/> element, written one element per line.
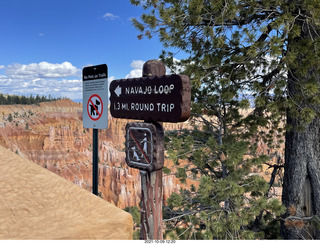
<point x="44" y="45"/>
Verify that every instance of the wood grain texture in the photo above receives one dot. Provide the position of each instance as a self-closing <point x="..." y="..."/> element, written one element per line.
<point x="151" y="182"/>
<point x="151" y="205"/>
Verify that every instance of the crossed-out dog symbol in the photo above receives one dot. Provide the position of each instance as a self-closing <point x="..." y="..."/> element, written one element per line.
<point x="93" y="111"/>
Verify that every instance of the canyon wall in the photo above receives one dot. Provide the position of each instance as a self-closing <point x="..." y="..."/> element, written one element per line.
<point x="52" y="135"/>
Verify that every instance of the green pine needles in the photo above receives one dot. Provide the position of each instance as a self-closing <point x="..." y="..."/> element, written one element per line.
<point x="252" y="65"/>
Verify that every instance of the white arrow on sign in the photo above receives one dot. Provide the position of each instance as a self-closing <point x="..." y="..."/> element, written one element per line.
<point x="118" y="91"/>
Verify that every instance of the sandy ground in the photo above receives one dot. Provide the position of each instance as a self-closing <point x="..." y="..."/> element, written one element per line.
<point x="36" y="204"/>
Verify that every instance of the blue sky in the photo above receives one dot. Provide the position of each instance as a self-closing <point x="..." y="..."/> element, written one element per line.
<point x="44" y="45"/>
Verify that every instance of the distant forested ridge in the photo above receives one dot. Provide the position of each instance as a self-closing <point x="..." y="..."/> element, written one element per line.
<point x="15" y="99"/>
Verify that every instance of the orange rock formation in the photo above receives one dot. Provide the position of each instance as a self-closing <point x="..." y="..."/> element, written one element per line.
<point x="51" y="134"/>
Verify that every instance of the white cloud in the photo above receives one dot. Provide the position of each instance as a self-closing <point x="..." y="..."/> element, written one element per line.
<point x="137" y="69"/>
<point x="110" y="16"/>
<point x="42" y="86"/>
<point x="137" y="64"/>
<point x="58" y="80"/>
<point x="41" y="70"/>
<point x="136" y="73"/>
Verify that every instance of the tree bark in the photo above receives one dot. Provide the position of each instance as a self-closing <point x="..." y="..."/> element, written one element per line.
<point x="301" y="185"/>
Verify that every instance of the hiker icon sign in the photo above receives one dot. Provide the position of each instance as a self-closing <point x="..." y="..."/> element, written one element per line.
<point x="140" y="145"/>
<point x="95" y="107"/>
<point x="144" y="146"/>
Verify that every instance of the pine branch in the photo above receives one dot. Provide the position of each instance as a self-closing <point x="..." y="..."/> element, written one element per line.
<point x="179" y="215"/>
<point x="257" y="17"/>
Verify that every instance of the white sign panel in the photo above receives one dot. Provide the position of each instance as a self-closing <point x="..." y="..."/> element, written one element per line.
<point x="95" y="97"/>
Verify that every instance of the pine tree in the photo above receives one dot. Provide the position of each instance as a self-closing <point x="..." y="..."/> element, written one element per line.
<point x="242" y="53"/>
<point x="2" y="99"/>
<point x="10" y="118"/>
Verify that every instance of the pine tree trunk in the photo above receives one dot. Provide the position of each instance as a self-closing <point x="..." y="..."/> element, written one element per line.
<point x="301" y="186"/>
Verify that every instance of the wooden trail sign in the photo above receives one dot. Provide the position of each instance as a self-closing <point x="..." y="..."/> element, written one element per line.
<point x="164" y="98"/>
<point x="155" y="97"/>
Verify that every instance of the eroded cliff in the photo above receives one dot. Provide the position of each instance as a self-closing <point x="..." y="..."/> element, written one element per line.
<point x="51" y="134"/>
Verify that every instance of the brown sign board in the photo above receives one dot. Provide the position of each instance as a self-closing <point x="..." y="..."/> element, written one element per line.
<point x="145" y="146"/>
<point x="157" y="98"/>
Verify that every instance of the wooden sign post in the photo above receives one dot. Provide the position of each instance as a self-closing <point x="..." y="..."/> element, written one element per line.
<point x="155" y="97"/>
<point x="145" y="151"/>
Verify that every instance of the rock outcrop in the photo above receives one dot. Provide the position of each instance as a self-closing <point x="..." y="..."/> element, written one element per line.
<point x="52" y="135"/>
